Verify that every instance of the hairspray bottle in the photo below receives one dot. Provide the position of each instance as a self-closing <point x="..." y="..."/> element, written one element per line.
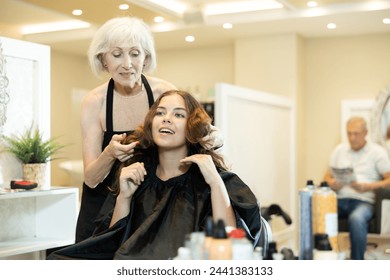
<point x="306" y="242"/>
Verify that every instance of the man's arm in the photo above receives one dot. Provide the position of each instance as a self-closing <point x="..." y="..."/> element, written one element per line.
<point x="364" y="187"/>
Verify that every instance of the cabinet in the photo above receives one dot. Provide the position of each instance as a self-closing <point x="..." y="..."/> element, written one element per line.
<point x="37" y="220"/>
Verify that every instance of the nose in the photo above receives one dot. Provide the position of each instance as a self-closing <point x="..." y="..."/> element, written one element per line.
<point x="167" y="118"/>
<point x="126" y="64"/>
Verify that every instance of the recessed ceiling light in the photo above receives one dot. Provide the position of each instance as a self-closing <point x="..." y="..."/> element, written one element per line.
<point x="173" y="5"/>
<point x="311" y="4"/>
<point x="227" y="25"/>
<point x="77" y="12"/>
<point x="190" y="38"/>
<point x="54" y="26"/>
<point x="123" y="7"/>
<point x="158" y="19"/>
<point x="331" y="25"/>
<point x="386" y="20"/>
<point x="240" y="7"/>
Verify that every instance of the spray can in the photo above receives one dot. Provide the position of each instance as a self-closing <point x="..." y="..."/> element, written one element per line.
<point x="324" y="210"/>
<point x="305" y="221"/>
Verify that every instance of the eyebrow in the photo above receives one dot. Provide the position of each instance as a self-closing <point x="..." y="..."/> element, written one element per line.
<point x="174" y="109"/>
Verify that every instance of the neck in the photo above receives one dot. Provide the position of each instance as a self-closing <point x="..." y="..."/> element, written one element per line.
<point x="127" y="90"/>
<point x="170" y="166"/>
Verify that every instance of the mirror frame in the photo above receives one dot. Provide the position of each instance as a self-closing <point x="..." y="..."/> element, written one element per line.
<point x="378" y="108"/>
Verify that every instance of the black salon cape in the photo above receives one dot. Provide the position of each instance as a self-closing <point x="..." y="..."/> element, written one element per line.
<point x="162" y="214"/>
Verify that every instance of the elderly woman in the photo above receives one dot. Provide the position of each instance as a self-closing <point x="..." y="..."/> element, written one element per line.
<point x="124" y="48"/>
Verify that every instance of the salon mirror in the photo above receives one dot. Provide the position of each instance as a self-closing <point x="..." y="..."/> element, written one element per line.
<point x="380" y="119"/>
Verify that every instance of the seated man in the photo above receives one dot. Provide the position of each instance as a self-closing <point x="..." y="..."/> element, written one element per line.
<point x="371" y="168"/>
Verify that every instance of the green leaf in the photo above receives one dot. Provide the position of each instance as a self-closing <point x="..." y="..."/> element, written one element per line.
<point x="30" y="147"/>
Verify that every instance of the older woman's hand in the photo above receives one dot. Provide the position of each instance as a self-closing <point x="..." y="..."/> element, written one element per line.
<point x="214" y="140"/>
<point x="120" y="151"/>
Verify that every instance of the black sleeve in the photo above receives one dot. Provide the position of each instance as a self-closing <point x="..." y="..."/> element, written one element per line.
<point x="245" y="205"/>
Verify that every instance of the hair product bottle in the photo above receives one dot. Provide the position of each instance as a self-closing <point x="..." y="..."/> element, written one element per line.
<point x="324" y="206"/>
<point x="272" y="249"/>
<point x="209" y="231"/>
<point x="306" y="222"/>
<point x="221" y="246"/>
<point x="183" y="253"/>
<point x="197" y="243"/>
<point x="242" y="249"/>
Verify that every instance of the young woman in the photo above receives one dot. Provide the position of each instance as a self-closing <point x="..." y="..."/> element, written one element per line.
<point x="169" y="188"/>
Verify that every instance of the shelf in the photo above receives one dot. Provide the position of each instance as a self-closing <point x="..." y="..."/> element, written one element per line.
<point x="28" y="245"/>
<point x="37" y="220"/>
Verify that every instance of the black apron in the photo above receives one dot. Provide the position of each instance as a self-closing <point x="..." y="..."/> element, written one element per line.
<point x="92" y="199"/>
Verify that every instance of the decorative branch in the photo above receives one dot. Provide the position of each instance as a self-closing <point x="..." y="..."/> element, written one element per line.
<point x="4" y="90"/>
<point x="381" y="106"/>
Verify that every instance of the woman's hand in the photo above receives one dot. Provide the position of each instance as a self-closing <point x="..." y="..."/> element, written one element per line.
<point x="220" y="202"/>
<point x="214" y="140"/>
<point x="130" y="178"/>
<point x="206" y="166"/>
<point x="120" y="151"/>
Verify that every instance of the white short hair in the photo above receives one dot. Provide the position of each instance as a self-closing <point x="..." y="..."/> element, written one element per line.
<point x="117" y="31"/>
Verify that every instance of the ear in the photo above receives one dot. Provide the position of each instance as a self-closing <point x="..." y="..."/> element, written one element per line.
<point x="102" y="60"/>
<point x="146" y="62"/>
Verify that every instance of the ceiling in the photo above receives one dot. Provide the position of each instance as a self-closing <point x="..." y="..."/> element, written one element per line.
<point x="351" y="17"/>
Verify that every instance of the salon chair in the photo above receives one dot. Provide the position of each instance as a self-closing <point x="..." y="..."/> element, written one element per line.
<point x="374" y="225"/>
<point x="265" y="236"/>
<point x="266" y="216"/>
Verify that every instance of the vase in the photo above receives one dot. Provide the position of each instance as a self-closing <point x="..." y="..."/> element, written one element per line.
<point x="36" y="172"/>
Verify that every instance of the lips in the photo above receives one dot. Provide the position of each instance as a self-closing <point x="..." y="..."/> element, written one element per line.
<point x="127" y="74"/>
<point x="165" y="130"/>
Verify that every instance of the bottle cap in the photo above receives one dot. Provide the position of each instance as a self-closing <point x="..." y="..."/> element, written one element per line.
<point x="219" y="230"/>
<point x="272" y="246"/>
<point x="324" y="184"/>
<point x="321" y="242"/>
<point x="309" y="182"/>
<point x="237" y="233"/>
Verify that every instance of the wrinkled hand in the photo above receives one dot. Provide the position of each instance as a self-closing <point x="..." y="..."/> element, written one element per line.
<point x="130" y="178"/>
<point x="120" y="151"/>
<point x="206" y="166"/>
<point x="360" y="187"/>
<point x="335" y="185"/>
<point x="214" y="139"/>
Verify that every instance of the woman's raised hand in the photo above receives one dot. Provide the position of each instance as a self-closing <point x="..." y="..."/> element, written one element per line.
<point x="206" y="166"/>
<point x="130" y="178"/>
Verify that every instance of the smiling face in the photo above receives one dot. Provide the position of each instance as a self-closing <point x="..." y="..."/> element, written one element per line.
<point x="125" y="64"/>
<point x="169" y="122"/>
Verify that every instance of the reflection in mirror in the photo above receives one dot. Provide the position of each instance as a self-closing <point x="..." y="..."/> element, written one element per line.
<point x="380" y="119"/>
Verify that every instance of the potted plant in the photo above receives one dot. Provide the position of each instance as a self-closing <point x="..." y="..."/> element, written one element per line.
<point x="34" y="152"/>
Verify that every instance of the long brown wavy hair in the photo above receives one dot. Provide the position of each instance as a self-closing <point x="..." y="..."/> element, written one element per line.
<point x="198" y="126"/>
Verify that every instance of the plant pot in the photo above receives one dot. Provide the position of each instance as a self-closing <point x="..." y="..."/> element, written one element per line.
<point x="36" y="172"/>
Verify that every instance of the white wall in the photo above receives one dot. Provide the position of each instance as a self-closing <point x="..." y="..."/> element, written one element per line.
<point x="264" y="156"/>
